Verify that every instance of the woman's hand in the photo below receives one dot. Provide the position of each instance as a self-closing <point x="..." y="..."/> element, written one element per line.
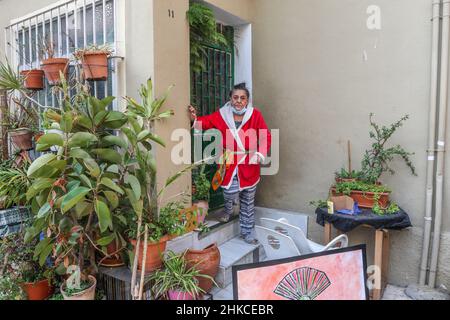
<point x="192" y="113"/>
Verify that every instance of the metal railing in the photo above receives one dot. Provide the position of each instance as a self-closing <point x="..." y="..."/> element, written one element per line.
<point x="68" y="26"/>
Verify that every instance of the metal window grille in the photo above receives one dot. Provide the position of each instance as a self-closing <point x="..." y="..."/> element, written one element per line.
<point x="210" y="91"/>
<point x="68" y="25"/>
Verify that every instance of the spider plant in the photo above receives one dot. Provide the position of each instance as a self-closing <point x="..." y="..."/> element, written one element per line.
<point x="176" y="276"/>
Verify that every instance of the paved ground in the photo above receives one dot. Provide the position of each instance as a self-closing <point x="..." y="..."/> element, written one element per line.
<point x="391" y="293"/>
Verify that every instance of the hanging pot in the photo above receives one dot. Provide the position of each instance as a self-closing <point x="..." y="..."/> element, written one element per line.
<point x="34" y="79"/>
<point x="95" y="66"/>
<point x="39" y="290"/>
<point x="154" y="254"/>
<point x="22" y="139"/>
<point x="206" y="262"/>
<point x="52" y="68"/>
<point x="88" y="294"/>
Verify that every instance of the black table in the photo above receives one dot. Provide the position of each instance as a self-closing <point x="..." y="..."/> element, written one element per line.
<point x="382" y="224"/>
<point x="347" y="223"/>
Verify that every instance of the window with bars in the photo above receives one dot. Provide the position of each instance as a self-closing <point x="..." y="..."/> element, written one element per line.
<point x="68" y="25"/>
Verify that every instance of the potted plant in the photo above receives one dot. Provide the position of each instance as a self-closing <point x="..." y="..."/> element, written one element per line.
<point x="168" y="226"/>
<point x="53" y="67"/>
<point x="18" y="262"/>
<point x="75" y="193"/>
<point x="94" y="61"/>
<point x="367" y="195"/>
<point x="201" y="193"/>
<point x="177" y="281"/>
<point x="33" y="79"/>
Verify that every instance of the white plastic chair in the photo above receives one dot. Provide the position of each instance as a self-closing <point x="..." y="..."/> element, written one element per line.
<point x="276" y="245"/>
<point x="304" y="245"/>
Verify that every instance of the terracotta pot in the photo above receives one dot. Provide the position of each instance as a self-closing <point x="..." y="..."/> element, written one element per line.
<point x="34" y="79"/>
<point x="38" y="291"/>
<point x="179" y="295"/>
<point x="52" y="68"/>
<point x="116" y="260"/>
<point x="154" y="253"/>
<point x="204" y="207"/>
<point x="22" y="139"/>
<point x="366" y="199"/>
<point x="206" y="262"/>
<point x="95" y="66"/>
<point x="88" y="294"/>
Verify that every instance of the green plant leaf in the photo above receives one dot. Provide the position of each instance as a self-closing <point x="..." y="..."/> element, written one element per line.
<point x="73" y="197"/>
<point x="51" y="139"/>
<point x="147" y="135"/>
<point x="39" y="163"/>
<point x="106" y="240"/>
<point x="44" y="211"/>
<point x="113" y="199"/>
<point x="114" y="141"/>
<point x="82" y="140"/>
<point x="111" y="185"/>
<point x="92" y="167"/>
<point x="115" y="120"/>
<point x="135" y="185"/>
<point x="78" y="153"/>
<point x="109" y="155"/>
<point x="66" y="122"/>
<point x="104" y="216"/>
<point x="138" y="205"/>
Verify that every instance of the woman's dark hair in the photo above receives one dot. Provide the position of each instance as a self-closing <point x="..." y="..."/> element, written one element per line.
<point x="240" y="86"/>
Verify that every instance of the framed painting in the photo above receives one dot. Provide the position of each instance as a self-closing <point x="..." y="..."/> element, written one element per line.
<point x="332" y="275"/>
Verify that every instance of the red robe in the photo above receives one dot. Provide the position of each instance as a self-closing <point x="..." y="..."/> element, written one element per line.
<point x="250" y="142"/>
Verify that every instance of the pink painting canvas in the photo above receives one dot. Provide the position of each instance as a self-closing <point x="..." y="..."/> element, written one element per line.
<point x="335" y="275"/>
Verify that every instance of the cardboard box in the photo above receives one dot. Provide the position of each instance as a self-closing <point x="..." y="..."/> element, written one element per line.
<point x="343" y="203"/>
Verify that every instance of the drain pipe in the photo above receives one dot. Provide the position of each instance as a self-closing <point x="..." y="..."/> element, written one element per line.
<point x="431" y="143"/>
<point x="440" y="164"/>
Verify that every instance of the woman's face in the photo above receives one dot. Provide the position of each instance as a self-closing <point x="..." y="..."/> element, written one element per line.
<point x="239" y="99"/>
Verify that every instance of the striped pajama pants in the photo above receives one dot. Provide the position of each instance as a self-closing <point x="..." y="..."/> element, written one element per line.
<point x="247" y="212"/>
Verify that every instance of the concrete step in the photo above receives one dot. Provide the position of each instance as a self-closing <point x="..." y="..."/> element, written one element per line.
<point x="235" y="252"/>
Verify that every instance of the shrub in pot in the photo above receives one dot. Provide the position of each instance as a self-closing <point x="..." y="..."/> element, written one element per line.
<point x="18" y="263"/>
<point x="94" y="61"/>
<point x="201" y="193"/>
<point x="177" y="281"/>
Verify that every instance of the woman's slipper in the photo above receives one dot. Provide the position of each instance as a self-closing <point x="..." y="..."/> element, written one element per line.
<point x="224" y="219"/>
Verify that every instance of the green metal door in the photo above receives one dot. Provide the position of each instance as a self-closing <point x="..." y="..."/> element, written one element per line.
<point x="210" y="91"/>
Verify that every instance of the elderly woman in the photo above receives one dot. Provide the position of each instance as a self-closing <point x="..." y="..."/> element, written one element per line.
<point x="246" y="138"/>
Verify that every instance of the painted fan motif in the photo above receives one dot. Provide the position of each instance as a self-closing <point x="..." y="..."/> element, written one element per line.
<point x="303" y="284"/>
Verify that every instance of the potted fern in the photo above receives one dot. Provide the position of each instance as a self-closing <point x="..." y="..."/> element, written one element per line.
<point x="177" y="281"/>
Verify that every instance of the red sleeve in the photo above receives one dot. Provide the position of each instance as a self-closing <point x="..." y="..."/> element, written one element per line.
<point x="205" y="122"/>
